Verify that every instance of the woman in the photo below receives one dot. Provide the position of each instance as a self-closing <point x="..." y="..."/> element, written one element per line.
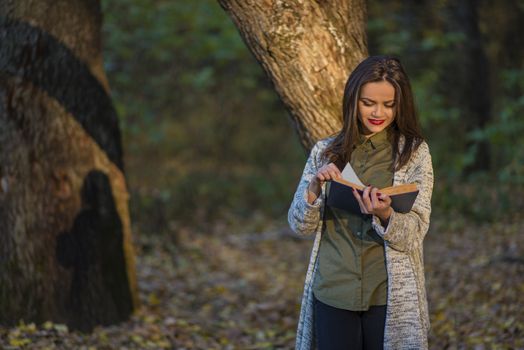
<point x="364" y="286"/>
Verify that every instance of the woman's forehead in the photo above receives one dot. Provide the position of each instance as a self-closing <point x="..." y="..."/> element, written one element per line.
<point x="378" y="90"/>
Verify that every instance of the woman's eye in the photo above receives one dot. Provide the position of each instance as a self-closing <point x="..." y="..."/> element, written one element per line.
<point x="390" y="106"/>
<point x="368" y="104"/>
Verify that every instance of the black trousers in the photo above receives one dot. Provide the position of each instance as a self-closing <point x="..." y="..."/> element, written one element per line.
<point x="339" y="329"/>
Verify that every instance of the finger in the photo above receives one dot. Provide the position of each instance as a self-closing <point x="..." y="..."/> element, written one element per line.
<point x="325" y="169"/>
<point x="366" y="199"/>
<point x="330" y="171"/>
<point x="365" y="208"/>
<point x="359" y="200"/>
<point x="385" y="199"/>
<point x="326" y="174"/>
<point x="333" y="174"/>
<point x="335" y="171"/>
<point x="374" y="199"/>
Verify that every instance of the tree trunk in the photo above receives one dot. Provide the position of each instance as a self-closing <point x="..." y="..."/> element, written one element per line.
<point x="474" y="78"/>
<point x="307" y="48"/>
<point x="65" y="242"/>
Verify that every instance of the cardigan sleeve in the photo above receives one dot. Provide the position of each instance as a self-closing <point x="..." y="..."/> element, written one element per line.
<point x="406" y="231"/>
<point x="304" y="217"/>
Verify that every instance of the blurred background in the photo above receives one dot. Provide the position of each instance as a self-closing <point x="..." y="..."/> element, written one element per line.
<point x="207" y="140"/>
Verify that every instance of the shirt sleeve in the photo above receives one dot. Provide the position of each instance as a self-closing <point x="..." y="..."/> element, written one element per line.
<point x="406" y="231"/>
<point x="304" y="217"/>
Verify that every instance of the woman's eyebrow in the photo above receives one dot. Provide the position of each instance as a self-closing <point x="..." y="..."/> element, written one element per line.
<point x="367" y="98"/>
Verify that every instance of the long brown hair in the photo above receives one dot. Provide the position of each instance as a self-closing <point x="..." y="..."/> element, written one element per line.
<point x="406" y="123"/>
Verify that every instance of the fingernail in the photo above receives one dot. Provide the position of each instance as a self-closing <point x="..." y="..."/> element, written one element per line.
<point x="378" y="193"/>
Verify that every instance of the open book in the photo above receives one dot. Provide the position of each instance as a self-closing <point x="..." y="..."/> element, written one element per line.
<point x="341" y="193"/>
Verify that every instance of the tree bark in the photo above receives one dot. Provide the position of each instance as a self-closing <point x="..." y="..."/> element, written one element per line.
<point x="307" y="49"/>
<point x="65" y="241"/>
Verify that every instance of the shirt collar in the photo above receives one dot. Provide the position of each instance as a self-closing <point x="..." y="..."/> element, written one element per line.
<point x="375" y="140"/>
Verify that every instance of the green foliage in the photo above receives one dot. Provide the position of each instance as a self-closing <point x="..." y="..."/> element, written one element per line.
<point x="505" y="132"/>
<point x="205" y="136"/>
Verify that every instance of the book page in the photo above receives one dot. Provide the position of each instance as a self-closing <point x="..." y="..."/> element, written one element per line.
<point x="349" y="174"/>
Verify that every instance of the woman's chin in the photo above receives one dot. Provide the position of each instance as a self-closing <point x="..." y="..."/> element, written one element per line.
<point x="373" y="129"/>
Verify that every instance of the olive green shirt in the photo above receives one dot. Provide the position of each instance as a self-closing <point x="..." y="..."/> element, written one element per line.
<point x="351" y="271"/>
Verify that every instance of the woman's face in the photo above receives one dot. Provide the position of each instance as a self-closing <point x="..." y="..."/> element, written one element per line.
<point x="376" y="106"/>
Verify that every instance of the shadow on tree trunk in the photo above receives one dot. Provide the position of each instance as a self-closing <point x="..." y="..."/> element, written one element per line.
<point x="92" y="249"/>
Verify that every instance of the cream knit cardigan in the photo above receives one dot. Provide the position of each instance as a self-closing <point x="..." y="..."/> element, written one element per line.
<point x="407" y="320"/>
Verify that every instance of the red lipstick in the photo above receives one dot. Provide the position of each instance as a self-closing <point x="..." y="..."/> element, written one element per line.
<point x="376" y="122"/>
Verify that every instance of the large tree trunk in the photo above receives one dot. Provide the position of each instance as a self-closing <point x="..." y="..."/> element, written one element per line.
<point x="307" y="48"/>
<point x="65" y="242"/>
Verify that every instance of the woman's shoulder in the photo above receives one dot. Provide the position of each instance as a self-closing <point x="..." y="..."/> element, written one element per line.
<point x="420" y="154"/>
<point x="423" y="149"/>
<point x="317" y="152"/>
<point x="322" y="144"/>
<point x="419" y="148"/>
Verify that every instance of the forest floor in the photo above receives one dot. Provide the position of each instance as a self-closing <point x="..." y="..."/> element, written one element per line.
<point x="242" y="290"/>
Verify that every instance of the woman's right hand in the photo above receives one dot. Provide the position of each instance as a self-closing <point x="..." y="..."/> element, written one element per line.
<point x="326" y="173"/>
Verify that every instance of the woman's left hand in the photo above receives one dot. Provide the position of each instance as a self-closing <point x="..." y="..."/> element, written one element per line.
<point x="374" y="203"/>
